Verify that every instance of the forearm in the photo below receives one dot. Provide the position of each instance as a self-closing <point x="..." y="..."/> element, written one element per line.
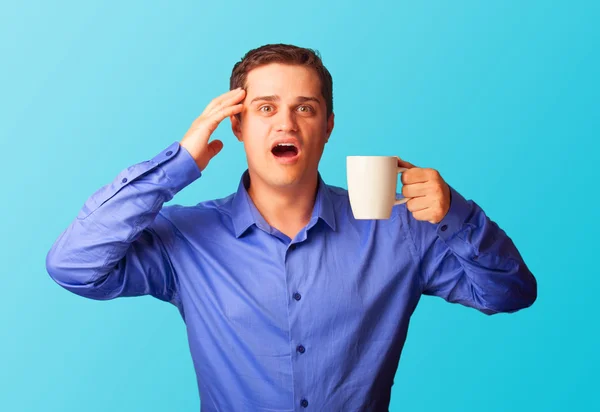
<point x="481" y="266"/>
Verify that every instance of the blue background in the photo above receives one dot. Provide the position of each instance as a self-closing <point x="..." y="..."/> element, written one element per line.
<point x="500" y="97"/>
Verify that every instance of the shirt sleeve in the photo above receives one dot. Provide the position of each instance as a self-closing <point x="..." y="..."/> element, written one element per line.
<point x="117" y="244"/>
<point x="468" y="259"/>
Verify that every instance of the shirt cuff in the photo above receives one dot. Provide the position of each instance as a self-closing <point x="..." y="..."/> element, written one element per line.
<point x="457" y="215"/>
<point x="179" y="166"/>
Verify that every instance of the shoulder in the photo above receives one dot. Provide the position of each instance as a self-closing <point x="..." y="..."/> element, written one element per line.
<point x="207" y="213"/>
<point x="339" y="201"/>
<point x="336" y="193"/>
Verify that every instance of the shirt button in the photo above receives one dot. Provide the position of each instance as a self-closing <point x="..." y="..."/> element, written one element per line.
<point x="124" y="180"/>
<point x="169" y="153"/>
<point x="304" y="403"/>
<point x="444" y="227"/>
<point x="301" y="349"/>
<point x="297" y="296"/>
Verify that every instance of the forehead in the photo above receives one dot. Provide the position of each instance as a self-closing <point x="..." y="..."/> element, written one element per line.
<point x="284" y="80"/>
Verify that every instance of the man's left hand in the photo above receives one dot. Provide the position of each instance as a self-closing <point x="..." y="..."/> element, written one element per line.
<point x="428" y="192"/>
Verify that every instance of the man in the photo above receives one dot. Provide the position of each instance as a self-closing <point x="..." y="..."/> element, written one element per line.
<point x="289" y="302"/>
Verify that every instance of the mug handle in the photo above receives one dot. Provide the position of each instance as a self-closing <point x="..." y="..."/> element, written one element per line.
<point x="402" y="200"/>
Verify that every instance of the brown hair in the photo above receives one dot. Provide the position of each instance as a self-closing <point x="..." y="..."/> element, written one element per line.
<point x="287" y="54"/>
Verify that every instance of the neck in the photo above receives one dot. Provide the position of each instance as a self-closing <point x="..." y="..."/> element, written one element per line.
<point x="287" y="209"/>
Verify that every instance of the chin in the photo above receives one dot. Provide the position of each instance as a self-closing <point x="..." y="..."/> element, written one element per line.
<point x="283" y="178"/>
<point x="275" y="174"/>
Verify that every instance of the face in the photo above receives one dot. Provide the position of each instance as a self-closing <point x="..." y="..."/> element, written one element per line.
<point x="284" y="125"/>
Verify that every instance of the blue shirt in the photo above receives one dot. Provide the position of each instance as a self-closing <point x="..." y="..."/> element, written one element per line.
<point x="276" y="324"/>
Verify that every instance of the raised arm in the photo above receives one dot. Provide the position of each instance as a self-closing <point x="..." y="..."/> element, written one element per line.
<point x="117" y="245"/>
<point x="464" y="256"/>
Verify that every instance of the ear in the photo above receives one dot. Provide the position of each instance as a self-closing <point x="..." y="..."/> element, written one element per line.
<point x="330" y="123"/>
<point x="236" y="126"/>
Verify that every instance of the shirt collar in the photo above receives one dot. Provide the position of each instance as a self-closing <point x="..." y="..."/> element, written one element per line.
<point x="245" y="214"/>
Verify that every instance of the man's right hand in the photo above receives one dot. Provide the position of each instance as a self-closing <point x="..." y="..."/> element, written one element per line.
<point x="196" y="138"/>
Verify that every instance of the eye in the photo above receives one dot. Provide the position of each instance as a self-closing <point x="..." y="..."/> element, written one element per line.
<point x="265" y="108"/>
<point x="305" y="109"/>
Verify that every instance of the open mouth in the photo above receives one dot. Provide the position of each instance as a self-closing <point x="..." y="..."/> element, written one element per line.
<point x="285" y="150"/>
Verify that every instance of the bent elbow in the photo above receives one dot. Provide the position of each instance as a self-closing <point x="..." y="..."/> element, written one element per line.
<point x="56" y="268"/>
<point x="524" y="293"/>
<point x="530" y="289"/>
<point x="517" y="292"/>
<point x="68" y="274"/>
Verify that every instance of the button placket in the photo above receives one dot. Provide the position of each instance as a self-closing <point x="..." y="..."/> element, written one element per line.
<point x="291" y="254"/>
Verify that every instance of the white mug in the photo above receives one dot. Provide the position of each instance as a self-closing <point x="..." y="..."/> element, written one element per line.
<point x="372" y="184"/>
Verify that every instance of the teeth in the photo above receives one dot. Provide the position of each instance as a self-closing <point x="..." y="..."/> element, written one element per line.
<point x="286" y="144"/>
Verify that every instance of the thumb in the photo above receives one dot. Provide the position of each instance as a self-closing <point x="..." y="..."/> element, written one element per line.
<point x="214" y="148"/>
<point x="403" y="163"/>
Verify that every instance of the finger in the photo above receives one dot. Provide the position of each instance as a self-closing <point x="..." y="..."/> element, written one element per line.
<point x="236" y="98"/>
<point x="227" y="111"/>
<point x="209" y="123"/>
<point x="414" y="175"/>
<point x="214" y="148"/>
<point x="415" y="189"/>
<point x="418" y="203"/>
<point x="218" y="100"/>
<point x="403" y="163"/>
<point x="423" y="215"/>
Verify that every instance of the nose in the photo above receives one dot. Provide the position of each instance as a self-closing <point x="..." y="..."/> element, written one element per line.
<point x="286" y="121"/>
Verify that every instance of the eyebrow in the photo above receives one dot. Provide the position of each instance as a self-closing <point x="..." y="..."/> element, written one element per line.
<point x="274" y="98"/>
